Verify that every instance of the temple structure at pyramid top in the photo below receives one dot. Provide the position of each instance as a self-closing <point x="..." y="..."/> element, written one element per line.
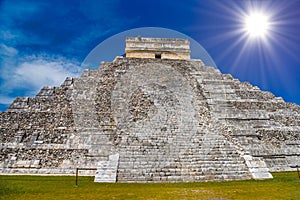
<point x="153" y="116"/>
<point x="160" y="48"/>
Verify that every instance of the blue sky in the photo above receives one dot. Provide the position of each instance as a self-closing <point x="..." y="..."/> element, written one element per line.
<point x="42" y="41"/>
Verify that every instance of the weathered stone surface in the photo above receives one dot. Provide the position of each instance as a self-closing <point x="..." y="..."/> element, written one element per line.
<point x="164" y="48"/>
<point x="167" y="120"/>
<point x="107" y="170"/>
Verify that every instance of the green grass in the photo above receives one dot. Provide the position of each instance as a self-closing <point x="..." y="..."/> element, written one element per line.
<point x="285" y="185"/>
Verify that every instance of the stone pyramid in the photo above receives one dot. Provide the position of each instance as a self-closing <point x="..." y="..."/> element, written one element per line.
<point x="154" y="116"/>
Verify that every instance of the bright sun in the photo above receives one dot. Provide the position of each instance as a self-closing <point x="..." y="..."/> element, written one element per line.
<point x="257" y="25"/>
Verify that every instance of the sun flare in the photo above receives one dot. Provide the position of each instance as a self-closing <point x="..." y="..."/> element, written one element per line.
<point x="257" y="25"/>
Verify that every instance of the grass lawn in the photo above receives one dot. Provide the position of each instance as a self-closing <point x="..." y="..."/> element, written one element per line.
<point x="285" y="185"/>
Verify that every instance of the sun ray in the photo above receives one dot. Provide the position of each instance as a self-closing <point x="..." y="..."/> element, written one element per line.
<point x="258" y="57"/>
<point x="257" y="24"/>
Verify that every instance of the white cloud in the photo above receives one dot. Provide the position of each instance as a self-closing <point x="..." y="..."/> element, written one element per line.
<point x="34" y="72"/>
<point x="41" y="72"/>
<point x="7" y="35"/>
<point x="7" y="51"/>
<point x="6" y="100"/>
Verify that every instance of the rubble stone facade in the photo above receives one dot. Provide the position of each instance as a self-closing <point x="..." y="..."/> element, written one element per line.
<point x="151" y="120"/>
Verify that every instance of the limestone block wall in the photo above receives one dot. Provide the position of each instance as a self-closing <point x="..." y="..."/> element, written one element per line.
<point x="164" y="48"/>
<point x="167" y="120"/>
<point x="163" y="128"/>
<point x="263" y="125"/>
<point x="35" y="134"/>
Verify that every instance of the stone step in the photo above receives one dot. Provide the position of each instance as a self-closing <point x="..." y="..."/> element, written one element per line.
<point x="257" y="167"/>
<point x="107" y="170"/>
